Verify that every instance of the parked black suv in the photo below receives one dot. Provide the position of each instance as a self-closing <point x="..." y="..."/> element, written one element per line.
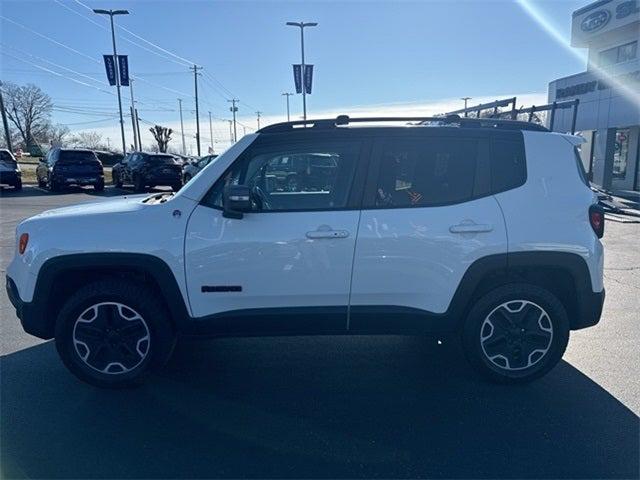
<point x="63" y="167"/>
<point x="144" y="170"/>
<point x="10" y="173"/>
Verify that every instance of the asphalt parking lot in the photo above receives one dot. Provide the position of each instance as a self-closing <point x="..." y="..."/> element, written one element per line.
<point x="326" y="407"/>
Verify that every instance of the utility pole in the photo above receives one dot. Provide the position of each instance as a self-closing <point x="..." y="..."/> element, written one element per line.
<point x="288" y="95"/>
<point x="7" y="135"/>
<point x="133" y="118"/>
<point x="258" y="114"/>
<point x="230" y="131"/>
<point x="466" y="99"/>
<point x="211" y="132"/>
<point x="111" y="14"/>
<point x="184" y="148"/>
<point x="301" y="25"/>
<point x="138" y="130"/>
<point x="234" y="109"/>
<point x="195" y="69"/>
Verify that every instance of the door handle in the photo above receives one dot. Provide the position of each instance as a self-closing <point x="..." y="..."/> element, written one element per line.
<point x="327" y="234"/>
<point x="470" y="228"/>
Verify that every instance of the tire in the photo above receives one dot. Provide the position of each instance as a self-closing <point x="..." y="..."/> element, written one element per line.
<point x="121" y="306"/>
<point x="116" y="180"/>
<point x="42" y="183"/>
<point x="515" y="333"/>
<point x="176" y="187"/>
<point x="138" y="184"/>
<point x="18" y="185"/>
<point x="53" y="186"/>
<point x="186" y="179"/>
<point x="99" y="187"/>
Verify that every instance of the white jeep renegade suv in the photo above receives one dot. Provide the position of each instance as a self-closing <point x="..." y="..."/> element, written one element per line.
<point x="481" y="228"/>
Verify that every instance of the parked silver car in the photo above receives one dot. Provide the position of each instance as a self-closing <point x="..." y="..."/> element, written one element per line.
<point x="189" y="170"/>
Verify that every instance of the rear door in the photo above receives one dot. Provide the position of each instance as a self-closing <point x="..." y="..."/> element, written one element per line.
<point x="427" y="216"/>
<point x="286" y="266"/>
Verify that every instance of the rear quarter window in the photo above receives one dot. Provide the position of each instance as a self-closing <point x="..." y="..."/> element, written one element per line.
<point x="67" y="156"/>
<point x="508" y="164"/>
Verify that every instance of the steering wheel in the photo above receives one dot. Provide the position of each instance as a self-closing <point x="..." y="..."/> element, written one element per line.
<point x="260" y="198"/>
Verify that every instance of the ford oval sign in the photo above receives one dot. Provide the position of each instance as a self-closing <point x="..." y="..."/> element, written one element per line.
<point x="595" y="21"/>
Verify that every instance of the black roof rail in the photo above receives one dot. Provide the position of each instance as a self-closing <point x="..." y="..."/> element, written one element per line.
<point x="341" y="120"/>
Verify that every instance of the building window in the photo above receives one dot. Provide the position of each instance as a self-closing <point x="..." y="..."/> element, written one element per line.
<point x="621" y="153"/>
<point x="620" y="54"/>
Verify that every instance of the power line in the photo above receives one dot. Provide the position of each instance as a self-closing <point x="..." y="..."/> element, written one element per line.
<point x="124" y="38"/>
<point x="50" y="39"/>
<point x="187" y="62"/>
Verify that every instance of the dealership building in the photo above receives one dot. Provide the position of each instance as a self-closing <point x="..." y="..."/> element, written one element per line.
<point x="607" y="117"/>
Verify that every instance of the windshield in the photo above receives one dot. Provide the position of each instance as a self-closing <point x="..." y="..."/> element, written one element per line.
<point x="79" y="156"/>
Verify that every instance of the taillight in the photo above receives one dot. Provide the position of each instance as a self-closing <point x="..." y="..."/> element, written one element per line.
<point x="22" y="243"/>
<point x="596" y="219"/>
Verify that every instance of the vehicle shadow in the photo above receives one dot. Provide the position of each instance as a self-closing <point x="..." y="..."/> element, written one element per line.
<point x="311" y="407"/>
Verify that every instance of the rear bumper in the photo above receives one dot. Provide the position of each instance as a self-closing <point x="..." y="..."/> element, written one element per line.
<point x="31" y="315"/>
<point x="79" y="180"/>
<point x="589" y="310"/>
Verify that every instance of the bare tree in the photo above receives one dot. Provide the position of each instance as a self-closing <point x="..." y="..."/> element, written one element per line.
<point x="29" y="109"/>
<point x="90" y="140"/>
<point x="57" y="134"/>
<point x="162" y="136"/>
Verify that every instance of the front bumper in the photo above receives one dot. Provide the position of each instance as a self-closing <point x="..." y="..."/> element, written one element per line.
<point x="32" y="317"/>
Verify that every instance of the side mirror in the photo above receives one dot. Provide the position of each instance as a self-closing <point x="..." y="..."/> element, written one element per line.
<point x="236" y="200"/>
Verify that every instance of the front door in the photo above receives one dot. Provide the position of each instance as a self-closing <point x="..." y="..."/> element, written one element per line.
<point x="285" y="266"/>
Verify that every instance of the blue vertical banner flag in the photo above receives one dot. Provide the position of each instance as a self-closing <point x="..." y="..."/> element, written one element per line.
<point x="308" y="78"/>
<point x="123" y="69"/>
<point x="297" y="77"/>
<point x="110" y="67"/>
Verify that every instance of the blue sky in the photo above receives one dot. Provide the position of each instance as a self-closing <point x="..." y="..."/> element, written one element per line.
<point x="368" y="56"/>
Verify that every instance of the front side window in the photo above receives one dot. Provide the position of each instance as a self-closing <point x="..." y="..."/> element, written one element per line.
<point x="430" y="172"/>
<point x="313" y="176"/>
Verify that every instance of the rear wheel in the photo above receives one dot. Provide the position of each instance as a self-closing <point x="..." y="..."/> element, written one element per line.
<point x="176" y="187"/>
<point x="53" y="185"/>
<point x="99" y="186"/>
<point x="18" y="185"/>
<point x="41" y="183"/>
<point x="113" y="333"/>
<point x="516" y="333"/>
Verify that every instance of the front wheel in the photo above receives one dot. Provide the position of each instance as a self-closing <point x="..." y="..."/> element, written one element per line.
<point x="113" y="333"/>
<point x="138" y="184"/>
<point x="516" y="333"/>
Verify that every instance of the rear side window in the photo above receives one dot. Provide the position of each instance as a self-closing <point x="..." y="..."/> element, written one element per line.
<point x="71" y="156"/>
<point x="508" y="164"/>
<point x="429" y="172"/>
<point x="161" y="160"/>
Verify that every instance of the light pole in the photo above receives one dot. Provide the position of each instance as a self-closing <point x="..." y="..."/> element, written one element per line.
<point x="301" y="25"/>
<point x="233" y="109"/>
<point x="111" y="14"/>
<point x="466" y="99"/>
<point x="288" y="95"/>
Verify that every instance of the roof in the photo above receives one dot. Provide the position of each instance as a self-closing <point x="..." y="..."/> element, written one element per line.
<point x="344" y="121"/>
